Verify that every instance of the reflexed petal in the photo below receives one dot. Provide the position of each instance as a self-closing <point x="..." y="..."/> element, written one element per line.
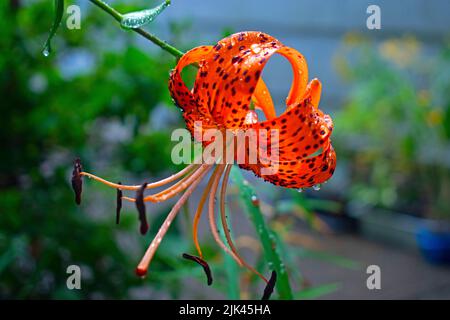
<point x="227" y="80"/>
<point x="263" y="100"/>
<point x="182" y="96"/>
<point x="230" y="78"/>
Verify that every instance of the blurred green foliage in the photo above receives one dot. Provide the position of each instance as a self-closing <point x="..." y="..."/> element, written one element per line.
<point x="53" y="110"/>
<point x="393" y="128"/>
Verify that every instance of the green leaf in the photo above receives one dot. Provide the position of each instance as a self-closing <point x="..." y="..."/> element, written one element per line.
<point x="138" y="19"/>
<point x="266" y="237"/>
<point x="316" y="292"/>
<point x="59" y="11"/>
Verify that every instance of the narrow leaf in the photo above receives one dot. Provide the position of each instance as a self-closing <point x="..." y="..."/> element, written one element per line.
<point x="59" y="11"/>
<point x="316" y="292"/>
<point x="138" y="19"/>
<point x="268" y="241"/>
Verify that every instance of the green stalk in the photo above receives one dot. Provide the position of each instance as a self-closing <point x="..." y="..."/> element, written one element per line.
<point x="118" y="17"/>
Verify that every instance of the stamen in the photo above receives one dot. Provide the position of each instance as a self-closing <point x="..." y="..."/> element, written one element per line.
<point x="226" y="229"/>
<point x="140" y="205"/>
<point x="203" y="263"/>
<point x="149" y="186"/>
<point x="77" y="182"/>
<point x="212" y="222"/>
<point x="142" y="268"/>
<point x="199" y="212"/>
<point x="270" y="286"/>
<point x="119" y="204"/>
<point x="173" y="190"/>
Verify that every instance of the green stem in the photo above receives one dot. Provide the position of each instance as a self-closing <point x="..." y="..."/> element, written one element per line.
<point x="118" y="17"/>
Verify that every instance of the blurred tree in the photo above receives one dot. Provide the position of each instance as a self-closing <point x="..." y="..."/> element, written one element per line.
<point x="53" y="109"/>
<point x="393" y="124"/>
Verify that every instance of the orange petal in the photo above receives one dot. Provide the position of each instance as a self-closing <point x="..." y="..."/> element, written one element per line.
<point x="182" y="96"/>
<point x="312" y="92"/>
<point x="302" y="130"/>
<point x="299" y="174"/>
<point x="178" y="89"/>
<point x="228" y="78"/>
<point x="315" y="89"/>
<point x="300" y="72"/>
<point x="263" y="100"/>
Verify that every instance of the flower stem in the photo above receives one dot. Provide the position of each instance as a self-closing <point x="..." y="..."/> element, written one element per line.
<point x="118" y="17"/>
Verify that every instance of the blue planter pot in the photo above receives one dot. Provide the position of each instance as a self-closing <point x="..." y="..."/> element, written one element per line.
<point x="434" y="243"/>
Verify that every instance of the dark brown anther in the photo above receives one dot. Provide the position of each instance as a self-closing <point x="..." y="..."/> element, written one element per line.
<point x="203" y="263"/>
<point x="140" y="205"/>
<point x="77" y="182"/>
<point x="270" y="285"/>
<point x="119" y="204"/>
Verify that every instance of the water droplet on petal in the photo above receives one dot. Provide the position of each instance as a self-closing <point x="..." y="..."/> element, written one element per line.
<point x="251" y="117"/>
<point x="300" y="190"/>
<point x="256" y="48"/>
<point x="316" y="187"/>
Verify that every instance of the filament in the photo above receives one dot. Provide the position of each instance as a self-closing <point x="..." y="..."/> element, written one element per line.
<point x="212" y="223"/>
<point x="146" y="259"/>
<point x="173" y="190"/>
<point x="156" y="184"/>
<point x="199" y="212"/>
<point x="223" y="192"/>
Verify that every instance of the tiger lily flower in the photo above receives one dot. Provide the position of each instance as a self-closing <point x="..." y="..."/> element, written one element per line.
<point x="227" y="92"/>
